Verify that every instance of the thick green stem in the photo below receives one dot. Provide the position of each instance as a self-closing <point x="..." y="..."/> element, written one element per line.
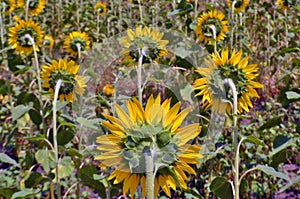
<point x="139" y="74"/>
<point x="232" y="86"/>
<point x="56" y="92"/>
<point x="78" y="46"/>
<point x="149" y="173"/>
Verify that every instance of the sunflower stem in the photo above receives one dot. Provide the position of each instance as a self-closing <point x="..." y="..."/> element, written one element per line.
<point x="141" y="10"/>
<point x="38" y="72"/>
<point x="286" y="28"/>
<point x="78" y="46"/>
<point x="213" y="28"/>
<point x="149" y="173"/>
<point x="196" y="9"/>
<point x="56" y="92"/>
<point x="139" y="73"/>
<point x="233" y="24"/>
<point x="26" y="9"/>
<point x="232" y="86"/>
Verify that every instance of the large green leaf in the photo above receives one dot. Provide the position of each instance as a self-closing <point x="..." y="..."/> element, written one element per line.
<point x="5" y="158"/>
<point x="87" y="174"/>
<point x="46" y="159"/>
<point x="272" y="172"/>
<point x="271" y="123"/>
<point x="254" y="140"/>
<point x="65" y="167"/>
<point x="20" y="110"/>
<point x="222" y="188"/>
<point x="93" y="124"/>
<point x="26" y="193"/>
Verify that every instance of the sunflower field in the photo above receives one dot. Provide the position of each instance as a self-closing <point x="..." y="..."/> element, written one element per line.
<point x="150" y="99"/>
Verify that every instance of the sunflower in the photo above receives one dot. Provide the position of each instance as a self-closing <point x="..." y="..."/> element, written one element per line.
<point x="239" y="5"/>
<point x="35" y="7"/>
<point x="100" y="8"/>
<point x="285" y="4"/>
<point x="48" y="41"/>
<point x="74" y="40"/>
<point x="72" y="83"/>
<point x="143" y="39"/>
<point x="212" y="18"/>
<point x="10" y="5"/>
<point x="233" y="67"/>
<point x="156" y="127"/>
<point x="17" y="36"/>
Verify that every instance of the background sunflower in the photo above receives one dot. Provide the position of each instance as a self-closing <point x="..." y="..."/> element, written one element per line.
<point x="239" y="5"/>
<point x="17" y="36"/>
<point x="149" y="39"/>
<point x="76" y="38"/>
<point x="48" y="41"/>
<point x="10" y="5"/>
<point x="203" y="30"/>
<point x="72" y="84"/>
<point x="155" y="127"/>
<point x="226" y="66"/>
<point x="100" y="8"/>
<point x="35" y="7"/>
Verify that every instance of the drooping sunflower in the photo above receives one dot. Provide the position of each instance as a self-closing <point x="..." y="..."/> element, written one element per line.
<point x="35" y="7"/>
<point x="226" y="66"/>
<point x="72" y="84"/>
<point x="10" y="5"/>
<point x="153" y="128"/>
<point x="239" y="5"/>
<point x="19" y="40"/>
<point x="203" y="28"/>
<point x="285" y="4"/>
<point x="74" y="40"/>
<point x="143" y="40"/>
<point x="48" y="41"/>
<point x="100" y="8"/>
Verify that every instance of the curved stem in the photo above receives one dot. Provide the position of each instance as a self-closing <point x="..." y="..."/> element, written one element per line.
<point x="232" y="86"/>
<point x="65" y="195"/>
<point x="213" y="28"/>
<point x="38" y="72"/>
<point x="78" y="46"/>
<point x="244" y="174"/>
<point x="56" y="92"/>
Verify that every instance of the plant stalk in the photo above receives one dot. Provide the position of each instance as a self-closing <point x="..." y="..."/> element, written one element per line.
<point x="149" y="174"/>
<point x="232" y="86"/>
<point x="56" y="92"/>
<point x="139" y="74"/>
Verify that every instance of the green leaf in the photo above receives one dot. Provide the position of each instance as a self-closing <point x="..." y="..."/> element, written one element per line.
<point x="65" y="167"/>
<point x="26" y="193"/>
<point x="281" y="147"/>
<point x="292" y="95"/>
<point x="271" y="123"/>
<point x="35" y="116"/>
<point x="254" y="140"/>
<point x="45" y="158"/>
<point x="93" y="124"/>
<point x="88" y="176"/>
<point x="20" y="110"/>
<point x="5" y="158"/>
<point x="221" y="187"/>
<point x="34" y="179"/>
<point x="292" y="183"/>
<point x="186" y="93"/>
<point x="272" y="172"/>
